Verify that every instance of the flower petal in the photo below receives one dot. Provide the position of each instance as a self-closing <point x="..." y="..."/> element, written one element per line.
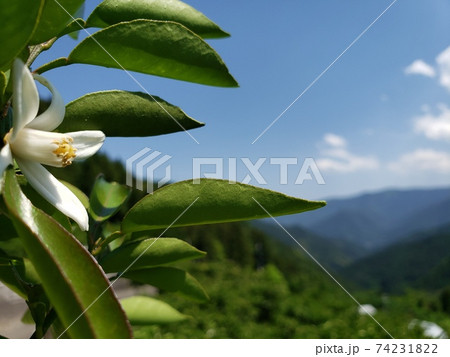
<point x="87" y="142"/>
<point x="40" y="146"/>
<point x="25" y="97"/>
<point x="54" y="192"/>
<point x="5" y="158"/>
<point x="54" y="115"/>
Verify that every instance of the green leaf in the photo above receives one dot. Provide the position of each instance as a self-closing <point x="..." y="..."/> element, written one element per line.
<point x="18" y="20"/>
<point x="73" y="28"/>
<point x="27" y="319"/>
<point x="111" y="12"/>
<point x="143" y="310"/>
<point x="73" y="281"/>
<point x="210" y="201"/>
<point x="149" y="252"/>
<point x="107" y="198"/>
<point x="79" y="14"/>
<point x="11" y="270"/>
<point x="55" y="16"/>
<point x="8" y="230"/>
<point x="13" y="247"/>
<point x="113" y="237"/>
<point x="113" y="240"/>
<point x="170" y="279"/>
<point x="165" y="49"/>
<point x="40" y="309"/>
<point x="120" y="113"/>
<point x="3" y="83"/>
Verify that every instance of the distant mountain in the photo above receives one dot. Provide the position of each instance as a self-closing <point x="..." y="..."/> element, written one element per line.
<point x="415" y="263"/>
<point x="431" y="216"/>
<point x="377" y="220"/>
<point x="329" y="252"/>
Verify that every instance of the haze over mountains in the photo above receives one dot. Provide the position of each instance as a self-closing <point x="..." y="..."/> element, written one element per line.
<point x="376" y="220"/>
<point x="389" y="240"/>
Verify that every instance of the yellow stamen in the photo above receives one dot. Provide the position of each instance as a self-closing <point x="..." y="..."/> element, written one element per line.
<point x="6" y="137"/>
<point x="65" y="151"/>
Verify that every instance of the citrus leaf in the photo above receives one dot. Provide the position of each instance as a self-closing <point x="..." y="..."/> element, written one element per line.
<point x="8" y="230"/>
<point x="170" y="279"/>
<point x="55" y="16"/>
<point x="11" y="269"/>
<point x="73" y="28"/>
<point x="106" y="199"/>
<point x="121" y="113"/>
<point x="210" y="201"/>
<point x="78" y="15"/>
<point x="3" y="83"/>
<point x="111" y="12"/>
<point x="72" y="280"/>
<point x="17" y="27"/>
<point x="143" y="310"/>
<point x="161" y="48"/>
<point x="148" y="252"/>
<point x="13" y="247"/>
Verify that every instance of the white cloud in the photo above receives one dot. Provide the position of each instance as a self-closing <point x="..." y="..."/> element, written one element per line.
<point x="334" y="140"/>
<point x="434" y="127"/>
<point x="351" y="163"/>
<point x="422" y="160"/>
<point x="443" y="61"/>
<point x="421" y="68"/>
<point x="338" y="158"/>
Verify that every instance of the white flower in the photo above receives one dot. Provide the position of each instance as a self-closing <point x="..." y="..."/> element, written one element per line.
<point x="31" y="143"/>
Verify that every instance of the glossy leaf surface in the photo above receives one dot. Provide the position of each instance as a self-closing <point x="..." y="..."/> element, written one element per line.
<point x="165" y="49"/>
<point x="55" y="16"/>
<point x="121" y="113"/>
<point x="144" y="310"/>
<point x="149" y="252"/>
<point x="111" y="12"/>
<point x="106" y="199"/>
<point x="17" y="26"/>
<point x="210" y="201"/>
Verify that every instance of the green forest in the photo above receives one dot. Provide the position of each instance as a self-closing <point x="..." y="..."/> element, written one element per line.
<point x="261" y="287"/>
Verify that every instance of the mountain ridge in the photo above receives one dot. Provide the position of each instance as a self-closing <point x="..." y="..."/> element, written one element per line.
<point x="377" y="220"/>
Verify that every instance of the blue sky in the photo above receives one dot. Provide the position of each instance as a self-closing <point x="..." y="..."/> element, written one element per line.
<point x="378" y="118"/>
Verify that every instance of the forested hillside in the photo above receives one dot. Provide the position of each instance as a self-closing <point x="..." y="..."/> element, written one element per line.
<point x="422" y="262"/>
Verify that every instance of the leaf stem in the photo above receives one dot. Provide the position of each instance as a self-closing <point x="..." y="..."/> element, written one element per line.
<point x="59" y="62"/>
<point x="36" y="50"/>
<point x="92" y="234"/>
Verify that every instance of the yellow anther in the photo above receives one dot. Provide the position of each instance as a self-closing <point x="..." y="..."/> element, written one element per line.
<point x="65" y="151"/>
<point x="7" y="137"/>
